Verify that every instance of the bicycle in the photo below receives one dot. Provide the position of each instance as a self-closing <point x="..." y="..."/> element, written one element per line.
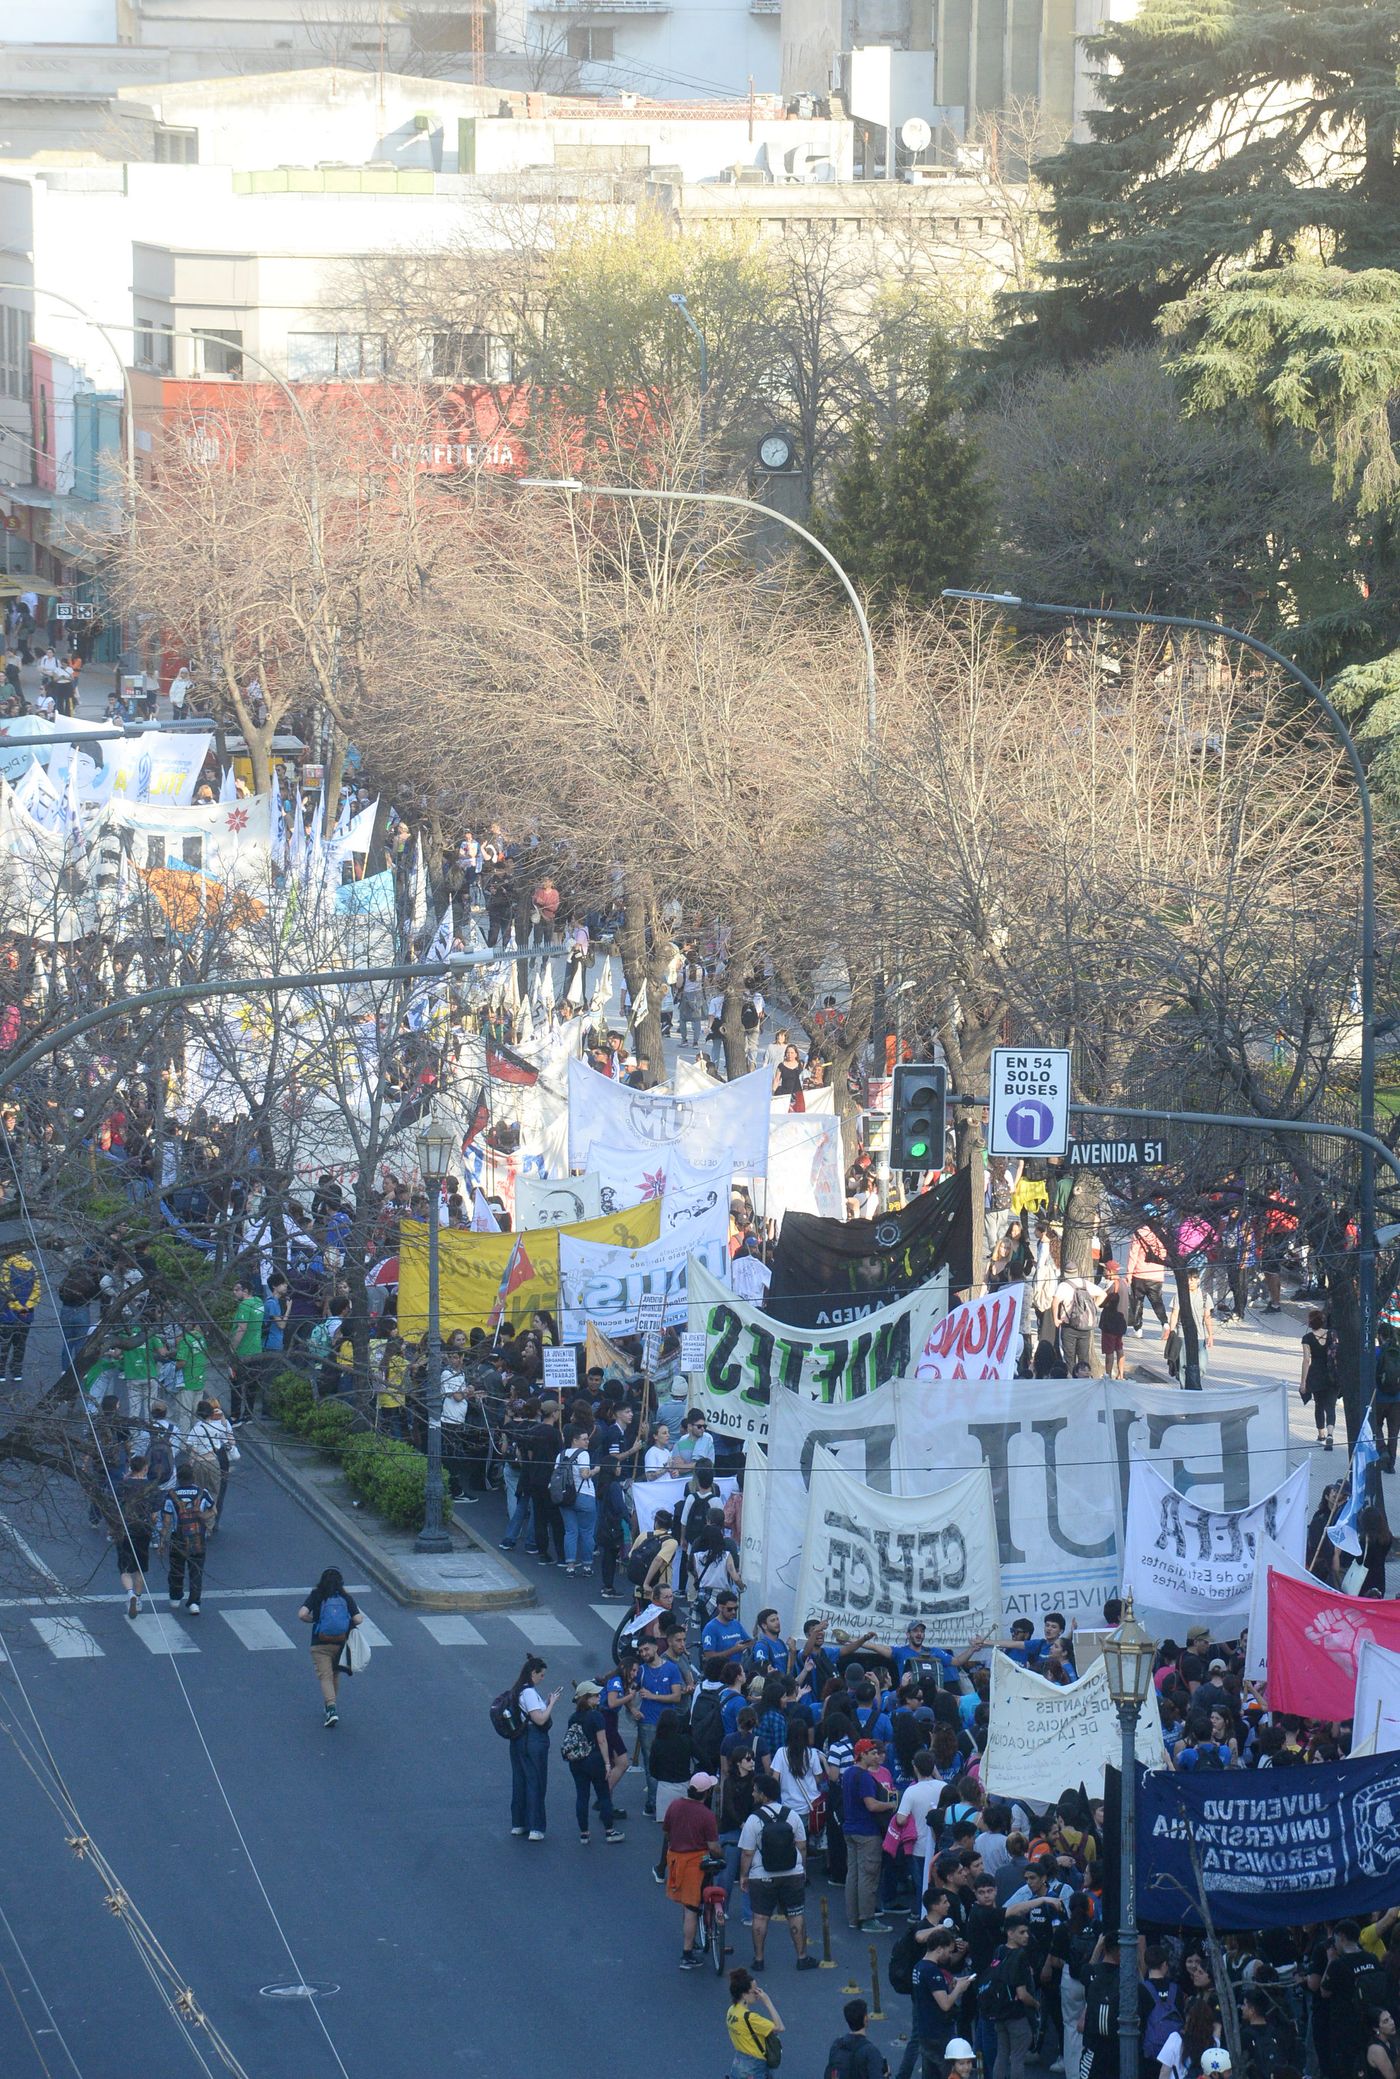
<point x="709" y="1934"/>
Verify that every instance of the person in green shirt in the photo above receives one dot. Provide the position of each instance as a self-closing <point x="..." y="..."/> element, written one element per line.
<point x="192" y="1356"/>
<point x="246" y="1341"/>
<point x="141" y="1362"/>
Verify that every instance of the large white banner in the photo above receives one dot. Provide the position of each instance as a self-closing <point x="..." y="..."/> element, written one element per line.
<point x="556" y="1202"/>
<point x="1044" y="1739"/>
<point x="650" y="1495"/>
<point x="723" y="1128"/>
<point x="1181" y="1560"/>
<point x="804" y="1167"/>
<point x="1053" y="1447"/>
<point x="160" y="767"/>
<point x="752" y="1522"/>
<point x="1376" y="1717"/>
<point x="819" y="1103"/>
<point x="860" y="1436"/>
<point x="981" y="1340"/>
<point x="874" y="1562"/>
<point x="230" y="841"/>
<point x="751" y="1357"/>
<point x="606" y="1285"/>
<point x="628" y="1177"/>
<point x="1269" y="1558"/>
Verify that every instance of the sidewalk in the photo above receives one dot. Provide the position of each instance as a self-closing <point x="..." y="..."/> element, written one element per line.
<point x="472" y="1576"/>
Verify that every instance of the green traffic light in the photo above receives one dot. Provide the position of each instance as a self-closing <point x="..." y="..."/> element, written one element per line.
<point x="918" y="1147"/>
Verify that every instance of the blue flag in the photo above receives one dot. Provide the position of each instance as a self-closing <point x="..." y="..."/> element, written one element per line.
<point x="1345" y="1531"/>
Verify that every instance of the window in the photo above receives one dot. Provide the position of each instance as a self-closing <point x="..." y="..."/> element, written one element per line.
<point x="220" y="350"/>
<point x="471" y="357"/>
<point x="320" y="357"/>
<point x="453" y="32"/>
<point x="592" y="45"/>
<point x="155" y="346"/>
<point x="175" y="147"/>
<point x="16" y="331"/>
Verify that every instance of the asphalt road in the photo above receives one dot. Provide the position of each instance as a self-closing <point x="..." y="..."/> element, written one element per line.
<point x="383" y="1846"/>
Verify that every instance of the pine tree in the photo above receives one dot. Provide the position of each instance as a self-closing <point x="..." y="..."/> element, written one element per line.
<point x="909" y="517"/>
<point x="1233" y="133"/>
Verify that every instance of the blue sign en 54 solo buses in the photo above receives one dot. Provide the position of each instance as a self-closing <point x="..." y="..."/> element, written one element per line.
<point x="1030" y="1101"/>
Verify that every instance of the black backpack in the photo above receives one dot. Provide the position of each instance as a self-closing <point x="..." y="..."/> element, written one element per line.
<point x="903" y="1957"/>
<point x="507" y="1717"/>
<point x="996" y="1999"/>
<point x="707" y="1729"/>
<point x="777" y="1844"/>
<point x="642" y="1556"/>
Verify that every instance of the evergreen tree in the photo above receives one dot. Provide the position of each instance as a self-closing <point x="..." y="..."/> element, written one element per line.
<point x="1232" y="133"/>
<point x="909" y="516"/>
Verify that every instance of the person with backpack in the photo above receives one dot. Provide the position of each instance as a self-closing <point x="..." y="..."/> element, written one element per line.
<point x="571" y="1491"/>
<point x="333" y="1614"/>
<point x="186" y="1516"/>
<point x="854" y="2056"/>
<point x="1318" y="1381"/>
<point x="937" y="1987"/>
<point x="1076" y="1317"/>
<point x="750" y="2033"/>
<point x="772" y="1869"/>
<point x="138" y="1496"/>
<point x="1006" y="2000"/>
<point x="585" y="1748"/>
<point x="707" y="1721"/>
<point x="522" y="1714"/>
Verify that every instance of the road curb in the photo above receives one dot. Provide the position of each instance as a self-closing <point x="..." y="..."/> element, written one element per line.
<point x="375" y="1551"/>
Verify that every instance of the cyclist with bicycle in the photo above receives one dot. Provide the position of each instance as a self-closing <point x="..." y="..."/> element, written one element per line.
<point x="691" y="1835"/>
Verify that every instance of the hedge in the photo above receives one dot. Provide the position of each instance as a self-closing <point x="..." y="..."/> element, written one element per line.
<point x="387" y="1474"/>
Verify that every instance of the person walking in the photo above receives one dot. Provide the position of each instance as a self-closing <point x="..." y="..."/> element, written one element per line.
<point x="585" y="1748"/>
<point x="854" y="2056"/>
<point x="333" y="1614"/>
<point x="186" y="1515"/>
<point x="19" y="1296"/>
<point x="138" y="1497"/>
<point x="246" y="1344"/>
<point x="573" y="1480"/>
<point x="772" y="1870"/>
<point x="751" y="2018"/>
<point x="529" y="1755"/>
<point x="1318" y="1382"/>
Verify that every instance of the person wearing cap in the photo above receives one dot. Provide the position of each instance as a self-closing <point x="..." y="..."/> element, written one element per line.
<point x="585" y="1748"/>
<point x="865" y="1813"/>
<point x="1215" y="2063"/>
<point x="691" y="1834"/>
<point x="781" y="1889"/>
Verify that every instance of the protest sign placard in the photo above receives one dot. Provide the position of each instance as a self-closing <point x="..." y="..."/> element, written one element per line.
<point x="1045" y="1738"/>
<point x="979" y="1340"/>
<point x="1182" y="1560"/>
<point x="557" y="1201"/>
<point x="751" y="1357"/>
<point x="875" y="1562"/>
<point x="607" y="1285"/>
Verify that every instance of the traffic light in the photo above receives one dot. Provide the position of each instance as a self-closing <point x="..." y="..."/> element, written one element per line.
<point x="917" y="1115"/>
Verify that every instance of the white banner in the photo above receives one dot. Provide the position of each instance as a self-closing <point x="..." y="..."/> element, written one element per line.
<point x="751" y="1357"/>
<point x="1225" y="1446"/>
<point x="1268" y="1558"/>
<point x="650" y="1495"/>
<point x="860" y="1436"/>
<point x="874" y="1562"/>
<point x="815" y="1103"/>
<point x="1181" y="1560"/>
<point x="550" y="1202"/>
<point x="229" y="841"/>
<point x="628" y="1177"/>
<point x="981" y="1340"/>
<point x="605" y="1285"/>
<point x="1376" y="1715"/>
<point x="804" y="1167"/>
<point x="160" y="768"/>
<point x="1044" y="1739"/>
<point x="724" y="1128"/>
<point x="751" y="1539"/>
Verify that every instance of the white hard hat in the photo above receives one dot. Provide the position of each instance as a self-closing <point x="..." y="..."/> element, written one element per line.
<point x="959" y="2047"/>
<point x="1216" y="2061"/>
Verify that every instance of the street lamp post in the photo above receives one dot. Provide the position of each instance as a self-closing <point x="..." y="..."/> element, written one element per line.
<point x="677" y="299"/>
<point x="1366" y="1252"/>
<point x="1128" y="1655"/>
<point x="437" y="1150"/>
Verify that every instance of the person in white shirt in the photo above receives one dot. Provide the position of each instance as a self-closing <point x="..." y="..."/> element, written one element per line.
<point x="179" y="691"/>
<point x="656" y="1463"/>
<point x="783" y="1888"/>
<point x="581" y="1514"/>
<point x="919" y="1799"/>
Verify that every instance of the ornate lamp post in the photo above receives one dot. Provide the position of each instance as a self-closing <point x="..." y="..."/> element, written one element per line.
<point x="1129" y="1655"/>
<point x="437" y="1151"/>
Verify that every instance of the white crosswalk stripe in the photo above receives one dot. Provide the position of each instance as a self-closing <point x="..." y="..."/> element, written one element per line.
<point x="258" y="1630"/>
<point x="66" y="1639"/>
<point x="543" y="1630"/>
<point x="612" y="1614"/>
<point x="451" y="1631"/>
<point x="159" y="1633"/>
<point x="370" y="1631"/>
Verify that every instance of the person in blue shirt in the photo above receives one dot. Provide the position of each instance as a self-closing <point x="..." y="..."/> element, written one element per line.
<point x="872" y="1718"/>
<point x="772" y="1653"/>
<point x="276" y="1308"/>
<point x="724" y="1634"/>
<point x="1056" y="1646"/>
<point x="658" y="1686"/>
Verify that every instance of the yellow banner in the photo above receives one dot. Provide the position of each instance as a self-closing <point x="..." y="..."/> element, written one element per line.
<point x="473" y="1267"/>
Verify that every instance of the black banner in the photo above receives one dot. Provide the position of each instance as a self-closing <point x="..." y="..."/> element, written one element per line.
<point x="831" y="1271"/>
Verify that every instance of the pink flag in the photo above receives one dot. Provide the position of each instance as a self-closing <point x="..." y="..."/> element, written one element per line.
<point x="1314" y="1649"/>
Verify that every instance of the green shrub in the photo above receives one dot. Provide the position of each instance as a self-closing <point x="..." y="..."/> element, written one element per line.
<point x="391" y="1477"/>
<point x="288" y="1398"/>
<point x="329" y="1424"/>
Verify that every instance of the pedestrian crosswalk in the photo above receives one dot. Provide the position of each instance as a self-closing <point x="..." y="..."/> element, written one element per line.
<point x="90" y="1630"/>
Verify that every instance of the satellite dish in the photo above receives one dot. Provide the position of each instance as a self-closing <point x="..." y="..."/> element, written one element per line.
<point x="915" y="134"/>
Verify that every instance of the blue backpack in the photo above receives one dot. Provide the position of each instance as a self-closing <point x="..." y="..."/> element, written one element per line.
<point x="332" y="1627"/>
